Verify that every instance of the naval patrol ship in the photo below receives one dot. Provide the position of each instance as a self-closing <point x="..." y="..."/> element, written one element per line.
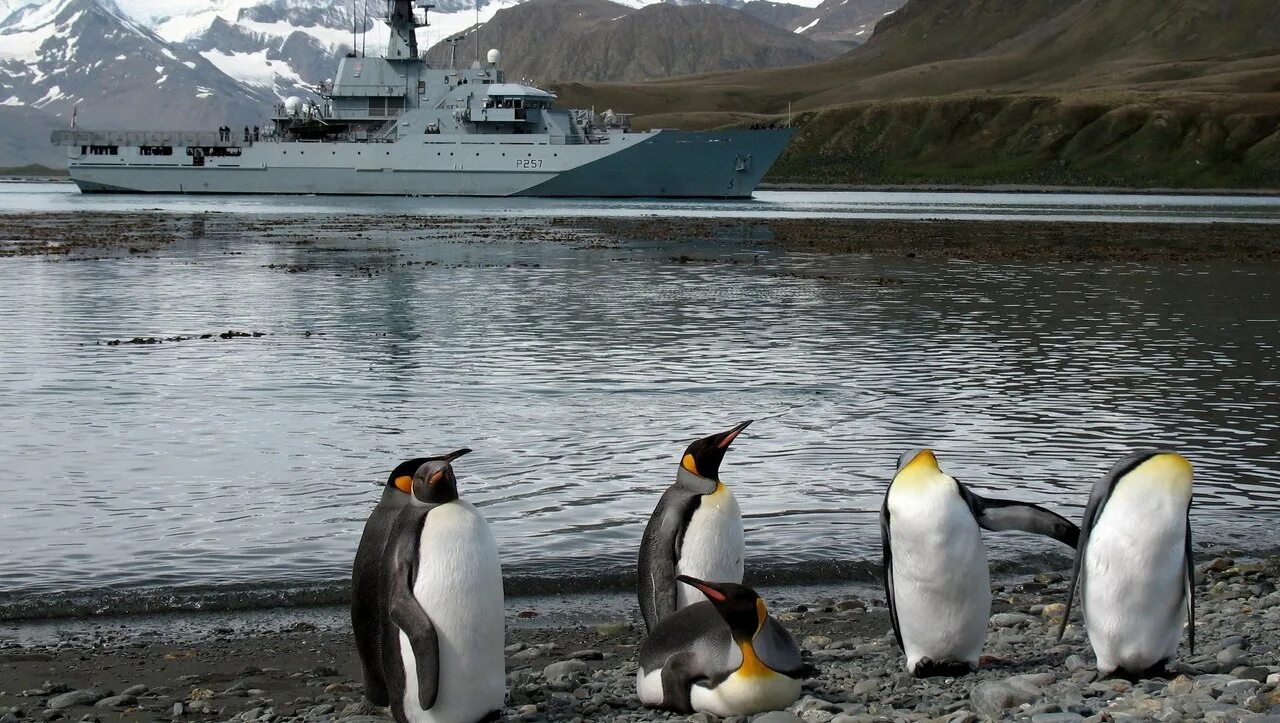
<point x="395" y="125"/>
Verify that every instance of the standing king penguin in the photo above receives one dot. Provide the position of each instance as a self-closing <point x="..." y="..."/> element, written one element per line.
<point x="936" y="576"/>
<point x="442" y="652"/>
<point x="695" y="530"/>
<point x="725" y="656"/>
<point x="1134" y="565"/>
<point x="368" y="604"/>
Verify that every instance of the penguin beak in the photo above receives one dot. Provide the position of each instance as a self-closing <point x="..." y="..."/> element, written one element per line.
<point x="456" y="454"/>
<point x="711" y="591"/>
<point x="728" y="437"/>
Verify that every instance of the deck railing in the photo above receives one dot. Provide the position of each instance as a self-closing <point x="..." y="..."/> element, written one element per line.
<point x="143" y="138"/>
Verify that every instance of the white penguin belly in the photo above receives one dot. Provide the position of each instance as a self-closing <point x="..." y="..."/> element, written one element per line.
<point x="649" y="687"/>
<point x="712" y="548"/>
<point x="1134" y="577"/>
<point x="941" y="581"/>
<point x="743" y="695"/>
<point x="459" y="585"/>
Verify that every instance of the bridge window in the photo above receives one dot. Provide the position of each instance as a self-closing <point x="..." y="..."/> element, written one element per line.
<point x="104" y="150"/>
<point x="379" y="107"/>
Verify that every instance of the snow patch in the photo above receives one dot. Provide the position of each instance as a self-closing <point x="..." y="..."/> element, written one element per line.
<point x="12" y="100"/>
<point x="252" y="68"/>
<point x="806" y="27"/>
<point x="51" y="95"/>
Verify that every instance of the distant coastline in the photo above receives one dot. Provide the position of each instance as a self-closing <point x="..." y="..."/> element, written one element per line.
<point x="1012" y="188"/>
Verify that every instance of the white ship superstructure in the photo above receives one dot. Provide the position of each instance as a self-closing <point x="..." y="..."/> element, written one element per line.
<point x="395" y="125"/>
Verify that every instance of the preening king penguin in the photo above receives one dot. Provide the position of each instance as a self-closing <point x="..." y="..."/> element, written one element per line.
<point x="936" y="576"/>
<point x="695" y="530"/>
<point x="724" y="656"/>
<point x="1134" y="564"/>
<point x="368" y="604"/>
<point x="442" y="653"/>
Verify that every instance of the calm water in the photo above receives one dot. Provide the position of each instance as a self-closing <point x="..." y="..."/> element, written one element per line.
<point x="766" y="204"/>
<point x="217" y="469"/>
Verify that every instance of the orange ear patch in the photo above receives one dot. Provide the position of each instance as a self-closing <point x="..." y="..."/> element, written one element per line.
<point x="689" y="464"/>
<point x="404" y="483"/>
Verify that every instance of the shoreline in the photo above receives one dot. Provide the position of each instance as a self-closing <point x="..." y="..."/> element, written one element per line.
<point x="284" y="666"/>
<point x="1017" y="188"/>
<point x="896" y="187"/>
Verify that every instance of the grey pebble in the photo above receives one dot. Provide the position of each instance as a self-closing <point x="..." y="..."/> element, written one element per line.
<point x="135" y="690"/>
<point x="993" y="697"/>
<point x="117" y="701"/>
<point x="85" y="696"/>
<point x="777" y="716"/>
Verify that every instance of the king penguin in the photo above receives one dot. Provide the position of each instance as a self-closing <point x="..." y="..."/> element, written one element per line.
<point x="725" y="656"/>
<point x="368" y="606"/>
<point x="1134" y="565"/>
<point x="442" y="650"/>
<point x="695" y="530"/>
<point x="935" y="566"/>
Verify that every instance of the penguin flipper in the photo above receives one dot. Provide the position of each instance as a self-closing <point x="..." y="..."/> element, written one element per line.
<point x="1191" y="587"/>
<point x="887" y="565"/>
<point x="1097" y="500"/>
<point x="777" y="649"/>
<point x="660" y="552"/>
<point x="414" y="622"/>
<point x="678" y="677"/>
<point x="1003" y="515"/>
<point x="405" y="613"/>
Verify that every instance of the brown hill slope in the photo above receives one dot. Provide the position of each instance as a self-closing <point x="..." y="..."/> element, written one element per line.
<point x="936" y="47"/>
<point x="1126" y="92"/>
<point x="545" y="40"/>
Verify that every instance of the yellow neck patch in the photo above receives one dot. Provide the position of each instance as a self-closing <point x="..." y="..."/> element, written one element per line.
<point x="921" y="469"/>
<point x="404" y="483"/>
<point x="751" y="666"/>
<point x="1169" y="471"/>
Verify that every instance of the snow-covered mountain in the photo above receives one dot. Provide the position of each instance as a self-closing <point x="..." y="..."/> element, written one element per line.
<point x="56" y="55"/>
<point x="201" y="64"/>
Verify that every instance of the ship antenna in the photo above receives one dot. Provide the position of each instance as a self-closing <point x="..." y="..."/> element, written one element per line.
<point x="478" y="58"/>
<point x="364" y="35"/>
<point x="355" y="42"/>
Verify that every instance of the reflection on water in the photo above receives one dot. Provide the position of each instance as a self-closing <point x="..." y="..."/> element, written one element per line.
<point x="578" y="376"/>
<point x="1143" y="208"/>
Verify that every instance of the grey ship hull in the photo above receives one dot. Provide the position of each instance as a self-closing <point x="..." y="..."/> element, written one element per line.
<point x="666" y="164"/>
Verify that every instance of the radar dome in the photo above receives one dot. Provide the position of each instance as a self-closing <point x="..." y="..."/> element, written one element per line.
<point x="495" y="56"/>
<point x="292" y="105"/>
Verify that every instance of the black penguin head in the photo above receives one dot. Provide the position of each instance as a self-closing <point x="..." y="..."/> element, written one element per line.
<point x="401" y="478"/>
<point x="739" y="605"/>
<point x="434" y="481"/>
<point x="703" y="457"/>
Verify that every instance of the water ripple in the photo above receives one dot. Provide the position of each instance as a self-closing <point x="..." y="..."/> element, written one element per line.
<point x="578" y="383"/>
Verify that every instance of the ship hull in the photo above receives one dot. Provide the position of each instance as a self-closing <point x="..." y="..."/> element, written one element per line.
<point x="661" y="164"/>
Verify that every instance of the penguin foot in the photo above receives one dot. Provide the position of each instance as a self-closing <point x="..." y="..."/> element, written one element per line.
<point x="1159" y="670"/>
<point x="927" y="668"/>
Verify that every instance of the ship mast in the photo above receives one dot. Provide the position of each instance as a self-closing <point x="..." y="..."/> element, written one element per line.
<point x="400" y="18"/>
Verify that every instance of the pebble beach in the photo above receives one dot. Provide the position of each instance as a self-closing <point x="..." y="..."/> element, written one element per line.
<point x="301" y="672"/>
